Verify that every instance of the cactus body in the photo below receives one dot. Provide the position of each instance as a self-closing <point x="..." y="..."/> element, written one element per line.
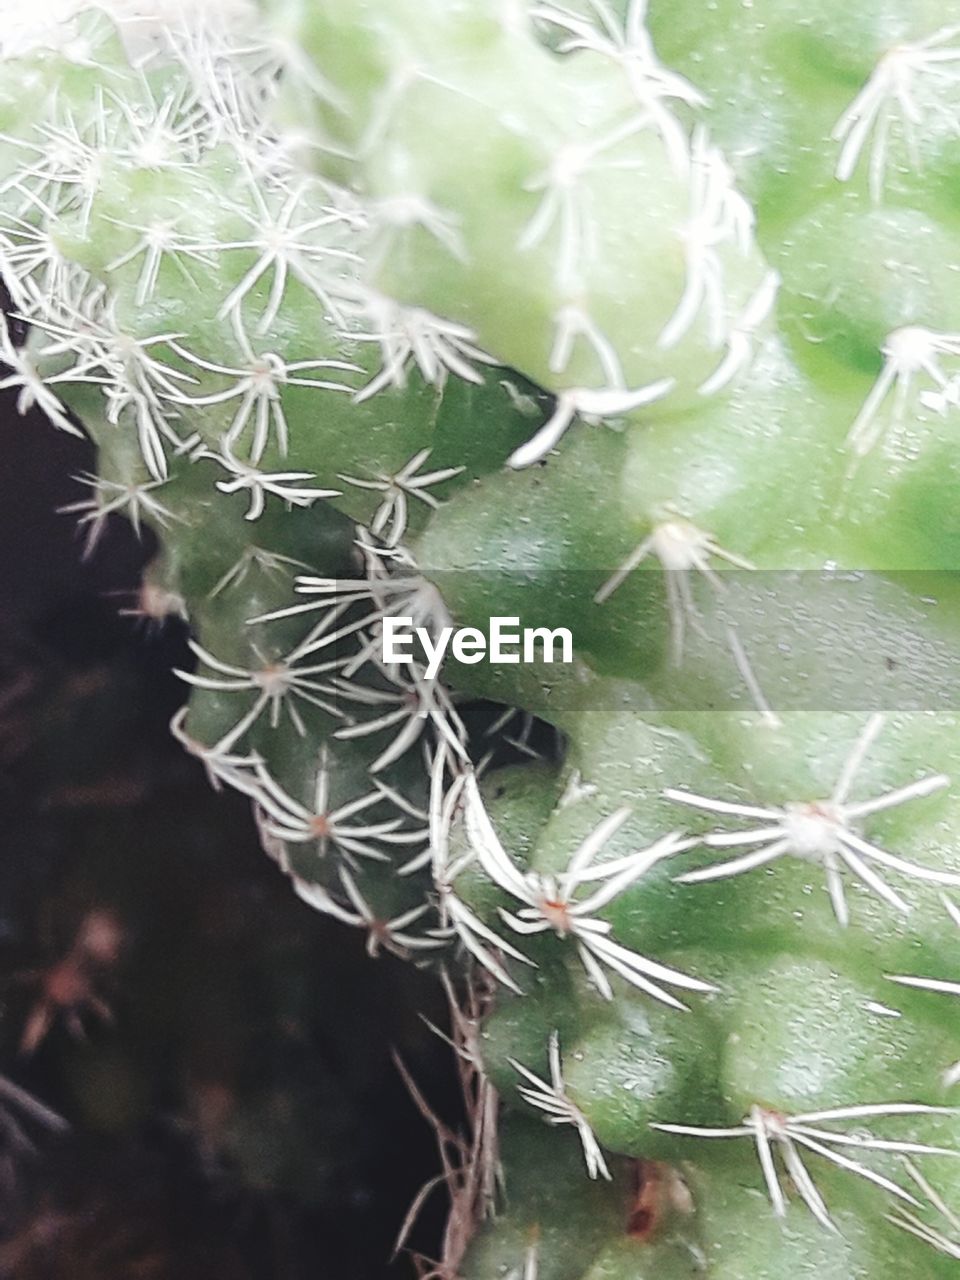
<point x="643" y="324"/>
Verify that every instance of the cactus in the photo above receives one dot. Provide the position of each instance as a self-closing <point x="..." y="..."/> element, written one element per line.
<point x="638" y="323"/>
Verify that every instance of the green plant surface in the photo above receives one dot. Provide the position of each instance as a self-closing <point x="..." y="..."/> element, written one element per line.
<point x="639" y="323"/>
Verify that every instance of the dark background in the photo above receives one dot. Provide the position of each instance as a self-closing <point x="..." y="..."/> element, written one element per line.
<point x="218" y="1054"/>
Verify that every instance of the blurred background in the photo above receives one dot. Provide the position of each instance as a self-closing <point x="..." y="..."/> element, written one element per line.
<point x="195" y="1070"/>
